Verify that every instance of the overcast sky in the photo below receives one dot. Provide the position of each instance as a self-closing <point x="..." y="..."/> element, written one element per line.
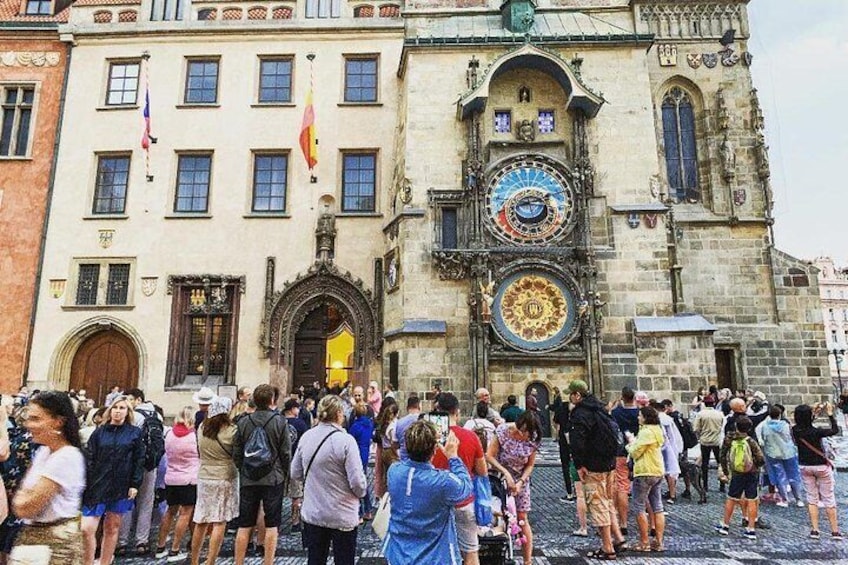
<point x="800" y="68"/>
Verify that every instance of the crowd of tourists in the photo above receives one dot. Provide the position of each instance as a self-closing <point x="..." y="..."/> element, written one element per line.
<point x="87" y="483"/>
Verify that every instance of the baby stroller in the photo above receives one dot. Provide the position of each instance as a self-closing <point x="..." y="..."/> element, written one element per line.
<point x="496" y="540"/>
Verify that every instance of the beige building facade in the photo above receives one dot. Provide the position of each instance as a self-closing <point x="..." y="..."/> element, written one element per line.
<point x="505" y="196"/>
<point x="833" y="289"/>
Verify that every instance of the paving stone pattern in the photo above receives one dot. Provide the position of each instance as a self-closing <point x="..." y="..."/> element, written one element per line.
<point x="690" y="538"/>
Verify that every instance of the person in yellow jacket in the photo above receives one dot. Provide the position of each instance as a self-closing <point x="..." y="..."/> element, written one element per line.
<point x="645" y="450"/>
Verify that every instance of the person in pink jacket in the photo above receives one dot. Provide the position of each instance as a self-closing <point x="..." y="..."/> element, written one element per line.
<point x="180" y="484"/>
<point x="375" y="397"/>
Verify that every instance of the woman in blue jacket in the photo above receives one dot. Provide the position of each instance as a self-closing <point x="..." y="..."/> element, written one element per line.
<point x="421" y="525"/>
<point x="114" y="474"/>
<point x="362" y="430"/>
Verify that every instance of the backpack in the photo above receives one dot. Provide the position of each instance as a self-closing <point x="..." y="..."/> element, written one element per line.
<point x="259" y="456"/>
<point x="608" y="439"/>
<point x="684" y="426"/>
<point x="741" y="458"/>
<point x="153" y="436"/>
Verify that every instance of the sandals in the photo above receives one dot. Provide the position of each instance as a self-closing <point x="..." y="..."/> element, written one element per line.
<point x="642" y="548"/>
<point x="142" y="549"/>
<point x="620" y="547"/>
<point x="656" y="547"/>
<point x="601" y="555"/>
<point x="122" y="551"/>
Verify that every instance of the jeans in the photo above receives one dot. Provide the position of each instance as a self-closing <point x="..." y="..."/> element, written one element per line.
<point x="565" y="460"/>
<point x="142" y="515"/>
<point x="366" y="504"/>
<point x="705" y="461"/>
<point x="317" y="542"/>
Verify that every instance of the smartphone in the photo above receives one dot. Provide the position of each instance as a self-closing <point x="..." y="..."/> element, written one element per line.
<point x="442" y="423"/>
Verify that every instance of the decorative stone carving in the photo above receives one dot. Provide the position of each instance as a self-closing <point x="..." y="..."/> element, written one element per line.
<point x="710" y="60"/>
<point x="526" y="131"/>
<point x="452" y="265"/>
<point x="723" y="112"/>
<point x="487" y="293"/>
<point x="762" y="158"/>
<point x="667" y="53"/>
<point x="57" y="287"/>
<point x="728" y="159"/>
<point x="325" y="236"/>
<point x="729" y="58"/>
<point x="693" y="20"/>
<point x="524" y="95"/>
<point x="30" y="58"/>
<point x="148" y="285"/>
<point x="758" y="122"/>
<point x="740" y="196"/>
<point x="405" y="191"/>
<point x="695" y="60"/>
<point x="471" y="72"/>
<point x="633" y="220"/>
<point x="205" y="280"/>
<point x="105" y="237"/>
<point x="656" y="185"/>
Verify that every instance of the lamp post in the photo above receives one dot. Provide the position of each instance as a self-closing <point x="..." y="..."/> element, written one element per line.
<point x="838" y="355"/>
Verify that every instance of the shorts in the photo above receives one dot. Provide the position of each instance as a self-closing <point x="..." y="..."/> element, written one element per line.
<point x="295" y="489"/>
<point x="622" y="475"/>
<point x="181" y="495"/>
<point x="743" y="484"/>
<point x="271" y="498"/>
<point x="116" y="507"/>
<point x="466" y="529"/>
<point x="597" y="490"/>
<point x="647" y="490"/>
<point x="818" y="484"/>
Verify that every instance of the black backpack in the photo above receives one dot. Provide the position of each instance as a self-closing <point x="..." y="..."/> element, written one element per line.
<point x="684" y="426"/>
<point x="153" y="436"/>
<point x="259" y="455"/>
<point x="608" y="440"/>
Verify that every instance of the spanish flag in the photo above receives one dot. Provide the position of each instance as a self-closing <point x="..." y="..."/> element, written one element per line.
<point x="308" y="142"/>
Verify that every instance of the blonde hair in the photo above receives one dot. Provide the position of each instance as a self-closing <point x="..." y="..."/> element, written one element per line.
<point x="107" y="416"/>
<point x="421" y="440"/>
<point x="185" y="417"/>
<point x="329" y="409"/>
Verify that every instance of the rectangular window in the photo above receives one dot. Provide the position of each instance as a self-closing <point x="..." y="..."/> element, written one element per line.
<point x="39" y="7"/>
<point x="118" y="283"/>
<point x="275" y="80"/>
<point x="204" y="330"/>
<point x="360" y="79"/>
<point x="359" y="182"/>
<point x="110" y="192"/>
<point x="87" y="283"/>
<point x="17" y="113"/>
<point x="503" y="121"/>
<point x="201" y="81"/>
<point x="831" y="314"/>
<point x="323" y="8"/>
<point x="269" y="182"/>
<point x="123" y="84"/>
<point x="546" y="121"/>
<point x="394" y="369"/>
<point x="193" y="177"/>
<point x="449" y="228"/>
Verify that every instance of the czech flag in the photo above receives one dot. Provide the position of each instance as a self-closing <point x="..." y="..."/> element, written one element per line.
<point x="308" y="142"/>
<point x="145" y="137"/>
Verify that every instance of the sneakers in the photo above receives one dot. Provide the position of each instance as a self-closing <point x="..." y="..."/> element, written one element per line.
<point x="782" y="504"/>
<point x="623" y="531"/>
<point x="760" y="523"/>
<point x="800" y="503"/>
<point x="836" y="536"/>
<point x="161" y="552"/>
<point x="568" y="499"/>
<point x="815" y="534"/>
<point x="177" y="556"/>
<point x="686" y="494"/>
<point x="722" y="529"/>
<point x="580" y="533"/>
<point x="750" y="534"/>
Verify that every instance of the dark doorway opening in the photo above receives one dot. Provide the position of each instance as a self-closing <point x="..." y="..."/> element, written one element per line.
<point x="726" y="369"/>
<point x="542" y="401"/>
<point x="323" y="349"/>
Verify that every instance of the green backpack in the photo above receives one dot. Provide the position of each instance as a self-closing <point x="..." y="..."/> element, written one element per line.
<point x="741" y="458"/>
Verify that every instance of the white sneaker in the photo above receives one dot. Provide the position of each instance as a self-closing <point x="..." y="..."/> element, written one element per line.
<point x="176" y="557"/>
<point x="800" y="503"/>
<point x="782" y="504"/>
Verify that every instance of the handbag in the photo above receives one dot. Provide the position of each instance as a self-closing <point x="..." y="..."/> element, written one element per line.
<point x="380" y="523"/>
<point x="483" y="501"/>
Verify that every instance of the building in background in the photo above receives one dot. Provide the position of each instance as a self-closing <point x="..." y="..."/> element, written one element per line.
<point x="32" y="72"/>
<point x="833" y="289"/>
<point x="464" y="194"/>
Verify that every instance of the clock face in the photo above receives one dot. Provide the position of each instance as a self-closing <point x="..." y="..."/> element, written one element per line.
<point x="530" y="202"/>
<point x="534" y="311"/>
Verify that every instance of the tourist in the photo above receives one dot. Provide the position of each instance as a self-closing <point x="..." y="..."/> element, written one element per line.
<point x="183" y="464"/>
<point x="492" y="415"/>
<point x="385" y="437"/>
<point x="330" y="512"/>
<point x="513" y="452"/>
<point x="149" y="421"/>
<point x="561" y="418"/>
<point x="741" y="459"/>
<point x="843" y="406"/>
<point x="241" y="404"/>
<point x="217" y="481"/>
<point x="115" y="393"/>
<point x="375" y="397"/>
<point x="781" y="456"/>
<point x="672" y="449"/>
<point x="421" y="527"/>
<point x="114" y="475"/>
<point x="697" y="403"/>
<point x="261" y="478"/>
<point x="93" y="419"/>
<point x="595" y="461"/>
<point x="389" y="392"/>
<point x="479" y="424"/>
<point x="646" y="451"/>
<point x="470" y="451"/>
<point x="707" y="427"/>
<point x="583" y="530"/>
<point x="49" y="496"/>
<point x="297" y="427"/>
<point x="413" y="413"/>
<point x="359" y="397"/>
<point x="203" y="398"/>
<point x="626" y="415"/>
<point x="13" y="469"/>
<point x="816" y="469"/>
<point x="511" y="411"/>
<point x="362" y="430"/>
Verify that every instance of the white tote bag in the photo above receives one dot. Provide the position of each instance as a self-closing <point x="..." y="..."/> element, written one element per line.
<point x="381" y="517"/>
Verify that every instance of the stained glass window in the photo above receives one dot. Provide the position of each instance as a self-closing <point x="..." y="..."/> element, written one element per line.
<point x="681" y="156"/>
<point x="503" y="121"/>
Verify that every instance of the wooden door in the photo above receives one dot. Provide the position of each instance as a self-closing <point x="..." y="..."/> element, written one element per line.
<point x="309" y="361"/>
<point x="726" y="369"/>
<point x="106" y="359"/>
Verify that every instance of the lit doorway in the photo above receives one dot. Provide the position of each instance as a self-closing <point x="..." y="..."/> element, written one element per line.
<point x="324" y="348"/>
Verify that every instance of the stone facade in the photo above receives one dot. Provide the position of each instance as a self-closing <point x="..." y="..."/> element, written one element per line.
<point x="526" y="229"/>
<point x="33" y="60"/>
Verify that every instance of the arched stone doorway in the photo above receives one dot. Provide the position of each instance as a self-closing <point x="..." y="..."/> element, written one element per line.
<point x="307" y="312"/>
<point x="324" y="348"/>
<point x="105" y="359"/>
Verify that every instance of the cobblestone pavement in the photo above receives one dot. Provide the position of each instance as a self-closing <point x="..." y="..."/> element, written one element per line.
<point x="690" y="538"/>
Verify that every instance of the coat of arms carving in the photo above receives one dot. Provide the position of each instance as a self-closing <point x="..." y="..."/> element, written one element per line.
<point x="148" y="285"/>
<point x="106" y="237"/>
<point x="668" y="55"/>
<point x="710" y="60"/>
<point x="695" y="60"/>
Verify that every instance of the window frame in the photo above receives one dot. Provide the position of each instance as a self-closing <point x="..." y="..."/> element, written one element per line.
<point x="193" y="154"/>
<point x="313" y="9"/>
<point x="275" y="59"/>
<point x="112" y="63"/>
<point x="186" y="87"/>
<point x="266" y="153"/>
<point x="360" y="57"/>
<point x="501" y="111"/>
<point x="373" y="153"/>
<point x="97" y="184"/>
<point x="676" y="97"/>
<point x="103" y="281"/>
<point x="18" y="107"/>
<point x="39" y="12"/>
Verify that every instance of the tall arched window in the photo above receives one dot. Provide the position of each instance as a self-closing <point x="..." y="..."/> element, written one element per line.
<point x="681" y="156"/>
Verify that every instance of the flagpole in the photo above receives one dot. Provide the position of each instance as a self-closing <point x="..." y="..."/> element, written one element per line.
<point x="146" y="138"/>
<point x="311" y="57"/>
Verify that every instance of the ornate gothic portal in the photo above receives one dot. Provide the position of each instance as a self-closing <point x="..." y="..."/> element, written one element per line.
<point x="309" y="310"/>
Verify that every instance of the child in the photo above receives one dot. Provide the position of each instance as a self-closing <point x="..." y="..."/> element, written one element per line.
<point x="740" y="459"/>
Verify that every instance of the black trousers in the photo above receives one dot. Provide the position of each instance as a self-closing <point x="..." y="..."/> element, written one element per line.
<point x="317" y="542"/>
<point x="705" y="461"/>
<point x="564" y="461"/>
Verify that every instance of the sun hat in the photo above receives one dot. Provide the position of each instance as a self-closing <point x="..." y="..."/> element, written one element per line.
<point x="641" y="398"/>
<point x="203" y="396"/>
<point x="219" y="405"/>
